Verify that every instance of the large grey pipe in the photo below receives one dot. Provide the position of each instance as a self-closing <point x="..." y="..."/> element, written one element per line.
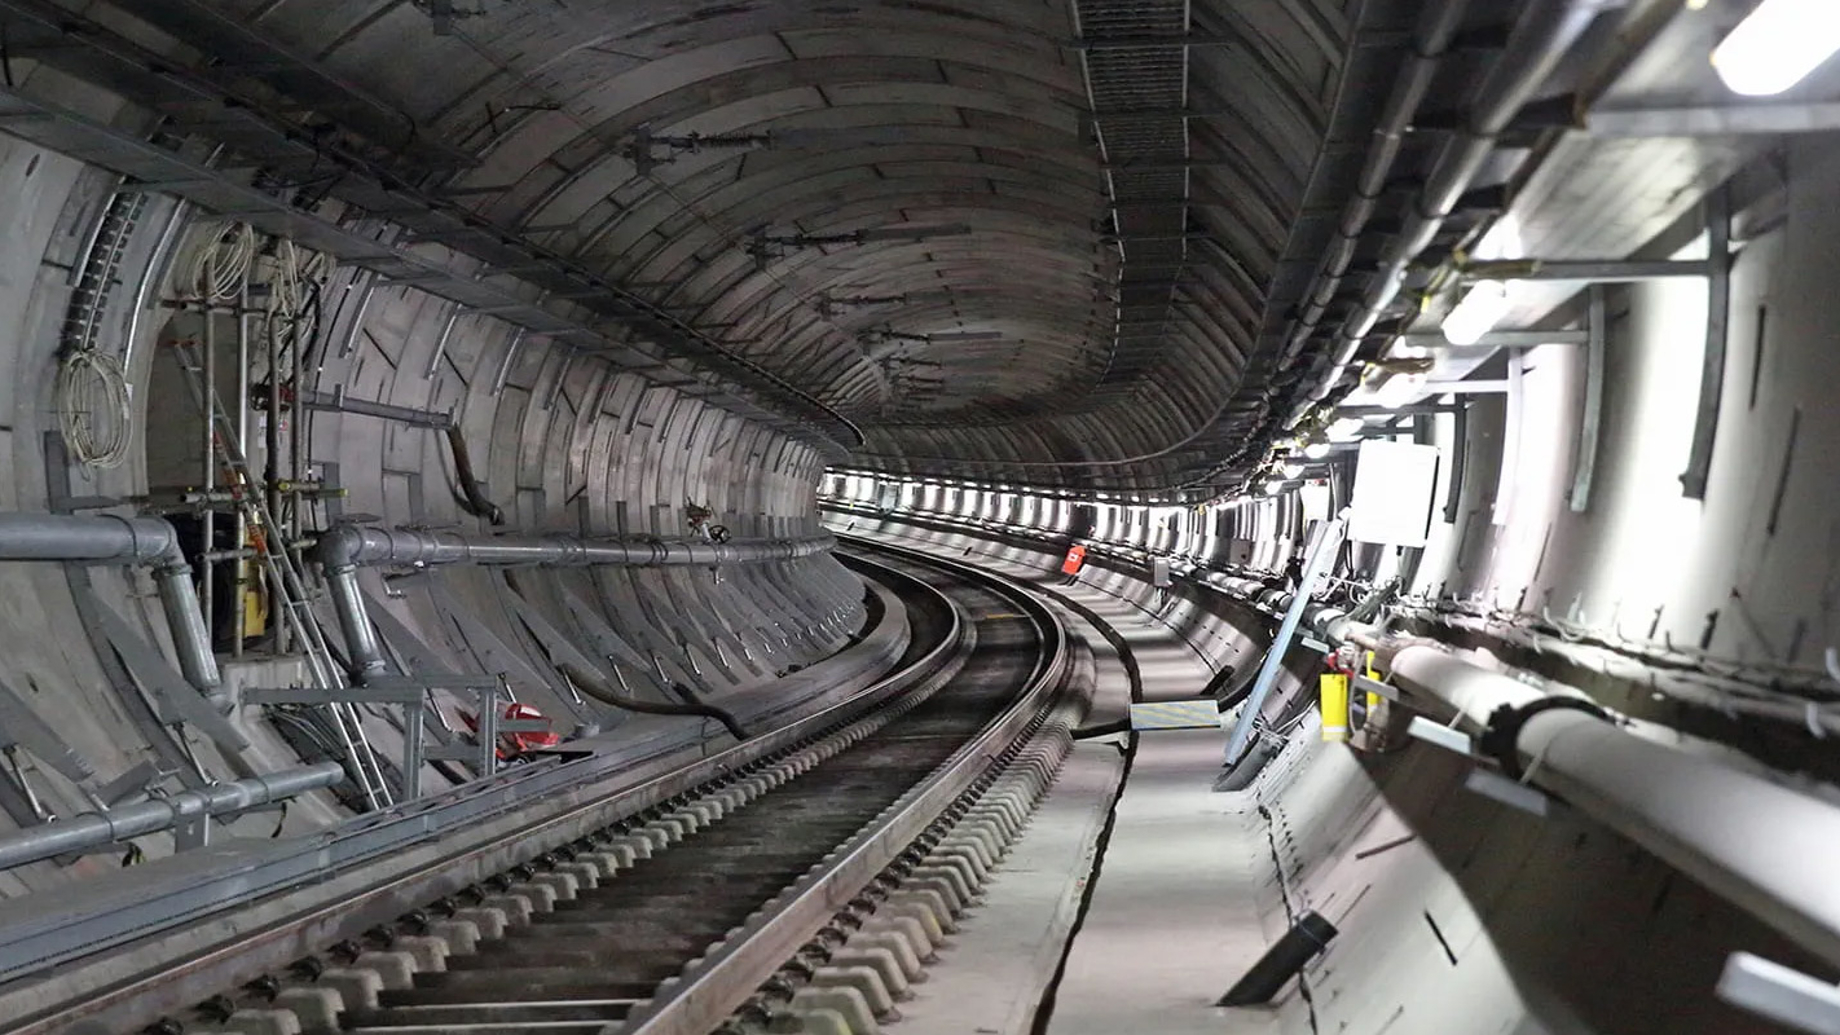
<point x="107" y="539"/>
<point x="1758" y="844"/>
<point x="354" y="546"/>
<point x="94" y="829"/>
<point x="346" y="548"/>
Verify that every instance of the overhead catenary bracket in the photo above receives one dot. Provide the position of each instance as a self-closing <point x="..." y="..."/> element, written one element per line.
<point x="1718" y="322"/>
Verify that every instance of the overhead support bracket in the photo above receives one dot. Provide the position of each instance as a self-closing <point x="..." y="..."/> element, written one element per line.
<point x="1584" y="461"/>
<point x="1399" y="411"/>
<point x="1613" y="271"/>
<point x="1718" y="321"/>
<point x="1496" y="340"/>
<point x="1729" y="120"/>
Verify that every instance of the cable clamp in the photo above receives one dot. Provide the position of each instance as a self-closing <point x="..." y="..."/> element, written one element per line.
<point x="1499" y="738"/>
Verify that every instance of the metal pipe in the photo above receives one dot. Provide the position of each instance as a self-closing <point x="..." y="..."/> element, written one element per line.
<point x="106" y="539"/>
<point x="208" y="520"/>
<point x="345" y="548"/>
<point x="354" y="621"/>
<point x="339" y="403"/>
<point x="353" y="545"/>
<point x="1538" y="43"/>
<point x="108" y="826"/>
<point x="1322" y="555"/>
<point x="1431" y="40"/>
<point x="239" y="606"/>
<point x="1752" y="841"/>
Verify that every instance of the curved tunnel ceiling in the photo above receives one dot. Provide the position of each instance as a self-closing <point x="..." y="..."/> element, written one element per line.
<point x="1048" y="233"/>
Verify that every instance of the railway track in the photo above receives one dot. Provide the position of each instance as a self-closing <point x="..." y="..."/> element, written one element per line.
<point x="810" y="880"/>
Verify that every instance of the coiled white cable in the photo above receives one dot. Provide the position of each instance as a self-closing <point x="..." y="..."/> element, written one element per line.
<point x="220" y="265"/>
<point x="95" y="412"/>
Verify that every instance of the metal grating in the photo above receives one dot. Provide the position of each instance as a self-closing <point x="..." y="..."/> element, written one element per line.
<point x="1149" y="205"/>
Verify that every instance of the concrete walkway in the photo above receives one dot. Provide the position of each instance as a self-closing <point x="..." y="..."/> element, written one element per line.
<point x="1174" y="916"/>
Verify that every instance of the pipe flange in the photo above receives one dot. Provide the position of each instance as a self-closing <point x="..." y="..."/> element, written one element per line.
<point x="1503" y="731"/>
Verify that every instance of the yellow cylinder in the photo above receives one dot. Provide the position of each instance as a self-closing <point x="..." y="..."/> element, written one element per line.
<point x="1373" y="699"/>
<point x="1334" y="707"/>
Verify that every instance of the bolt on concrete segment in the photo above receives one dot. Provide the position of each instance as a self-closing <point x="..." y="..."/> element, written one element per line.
<point x="992" y="974"/>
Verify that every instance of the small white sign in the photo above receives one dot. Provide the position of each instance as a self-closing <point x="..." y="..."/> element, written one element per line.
<point x="1393" y="485"/>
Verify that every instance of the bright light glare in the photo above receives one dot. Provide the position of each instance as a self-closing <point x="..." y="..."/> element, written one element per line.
<point x="1272" y="487"/>
<point x="1477" y="314"/>
<point x="1347" y="429"/>
<point x="1399" y="390"/>
<point x="1778" y="45"/>
<point x="1317" y="449"/>
<point x="1293" y="470"/>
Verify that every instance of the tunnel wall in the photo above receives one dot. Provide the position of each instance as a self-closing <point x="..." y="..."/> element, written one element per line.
<point x="563" y="442"/>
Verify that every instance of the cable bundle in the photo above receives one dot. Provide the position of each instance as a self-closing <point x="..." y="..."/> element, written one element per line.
<point x="94" y="410"/>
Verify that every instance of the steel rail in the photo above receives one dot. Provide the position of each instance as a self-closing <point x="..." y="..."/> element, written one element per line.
<point x="719" y="982"/>
<point x="401" y="871"/>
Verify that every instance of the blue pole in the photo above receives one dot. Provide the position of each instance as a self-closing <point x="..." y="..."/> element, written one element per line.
<point x="1280" y="644"/>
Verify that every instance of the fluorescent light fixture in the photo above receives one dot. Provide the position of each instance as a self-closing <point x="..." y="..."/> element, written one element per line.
<point x="1317" y="449"/>
<point x="1399" y="390"/>
<point x="1477" y="314"/>
<point x="1347" y="429"/>
<point x="1777" y="46"/>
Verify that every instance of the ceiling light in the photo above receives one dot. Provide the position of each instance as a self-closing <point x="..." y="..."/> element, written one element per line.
<point x="1347" y="429"/>
<point x="1777" y="46"/>
<point x="1399" y="390"/>
<point x="1317" y="449"/>
<point x="1477" y="314"/>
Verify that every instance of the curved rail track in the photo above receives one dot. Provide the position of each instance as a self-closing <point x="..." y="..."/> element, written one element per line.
<point x="808" y="875"/>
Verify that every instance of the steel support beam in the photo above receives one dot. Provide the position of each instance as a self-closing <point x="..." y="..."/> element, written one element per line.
<point x="1584" y="459"/>
<point x="1494" y="340"/>
<point x="1321" y="555"/>
<point x="1610" y="271"/>
<point x="1727" y="120"/>
<point x="339" y="402"/>
<point x="1718" y="322"/>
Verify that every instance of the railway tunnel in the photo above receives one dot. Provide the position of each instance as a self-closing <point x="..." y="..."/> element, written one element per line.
<point x="1000" y="516"/>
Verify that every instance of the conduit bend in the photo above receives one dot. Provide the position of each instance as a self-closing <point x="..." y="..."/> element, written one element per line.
<point x="110" y="539"/>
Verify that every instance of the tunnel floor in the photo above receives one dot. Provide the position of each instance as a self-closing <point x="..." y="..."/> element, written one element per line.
<point x="1126" y="907"/>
